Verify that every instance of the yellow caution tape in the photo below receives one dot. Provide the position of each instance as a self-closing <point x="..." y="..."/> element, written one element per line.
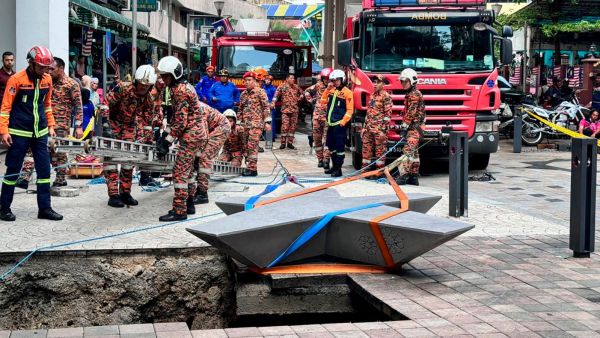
<point x="87" y="130"/>
<point x="556" y="127"/>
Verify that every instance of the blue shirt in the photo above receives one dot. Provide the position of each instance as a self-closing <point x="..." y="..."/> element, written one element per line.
<point x="223" y="96"/>
<point x="88" y="113"/>
<point x="203" y="86"/>
<point x="270" y="89"/>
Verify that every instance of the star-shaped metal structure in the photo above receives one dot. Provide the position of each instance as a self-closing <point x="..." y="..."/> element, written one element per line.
<point x="283" y="232"/>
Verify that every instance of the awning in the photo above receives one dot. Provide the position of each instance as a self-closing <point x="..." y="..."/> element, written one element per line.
<point x="108" y="20"/>
<point x="292" y="11"/>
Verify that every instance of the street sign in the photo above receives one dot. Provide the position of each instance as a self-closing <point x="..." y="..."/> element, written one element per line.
<point x="147" y="5"/>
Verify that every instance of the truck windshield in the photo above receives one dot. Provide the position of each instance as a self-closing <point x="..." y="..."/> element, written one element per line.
<point x="276" y="60"/>
<point x="426" y="48"/>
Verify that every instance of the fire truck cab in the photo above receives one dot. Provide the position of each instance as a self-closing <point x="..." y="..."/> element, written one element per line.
<point x="454" y="49"/>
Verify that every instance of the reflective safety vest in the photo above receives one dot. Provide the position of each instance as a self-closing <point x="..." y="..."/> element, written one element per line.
<point x="26" y="107"/>
<point x="339" y="106"/>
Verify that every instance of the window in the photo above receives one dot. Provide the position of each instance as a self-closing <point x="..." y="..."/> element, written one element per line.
<point x="276" y="60"/>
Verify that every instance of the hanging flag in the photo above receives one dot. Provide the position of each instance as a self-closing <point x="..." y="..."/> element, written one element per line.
<point x="516" y="77"/>
<point x="557" y="72"/>
<point x="86" y="42"/>
<point x="574" y="79"/>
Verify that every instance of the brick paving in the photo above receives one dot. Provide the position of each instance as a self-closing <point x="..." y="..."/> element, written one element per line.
<point x="512" y="276"/>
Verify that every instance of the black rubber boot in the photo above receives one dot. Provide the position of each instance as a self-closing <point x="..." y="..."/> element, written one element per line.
<point x="127" y="199"/>
<point x="49" y="214"/>
<point x="261" y="150"/>
<point x="409" y="179"/>
<point x="7" y="215"/>
<point x="22" y="184"/>
<point x="326" y="164"/>
<point x="282" y="146"/>
<point x="171" y="216"/>
<point x="191" y="209"/>
<point x="115" y="202"/>
<point x="248" y="172"/>
<point x="320" y="164"/>
<point x="201" y="197"/>
<point x="291" y="146"/>
<point x="413" y="179"/>
<point x="146" y="179"/>
<point x="59" y="184"/>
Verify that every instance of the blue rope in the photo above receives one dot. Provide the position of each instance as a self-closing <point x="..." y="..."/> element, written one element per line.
<point x="87" y="240"/>
<point x="314" y="229"/>
<point x="97" y="181"/>
<point x="249" y="205"/>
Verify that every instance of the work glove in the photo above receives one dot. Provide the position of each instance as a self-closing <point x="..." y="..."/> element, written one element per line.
<point x="403" y="126"/>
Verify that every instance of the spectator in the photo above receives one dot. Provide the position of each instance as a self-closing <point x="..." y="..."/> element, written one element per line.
<point x="590" y="126"/>
<point x="565" y="91"/>
<point x="96" y="94"/>
<point x="553" y="95"/>
<point x="86" y="82"/>
<point x="8" y="61"/>
<point x="88" y="112"/>
<point x="595" y="103"/>
<point x="223" y="94"/>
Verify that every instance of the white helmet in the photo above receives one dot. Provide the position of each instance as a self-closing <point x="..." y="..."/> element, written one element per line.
<point x="337" y="74"/>
<point x="230" y="113"/>
<point x="171" y="65"/>
<point x="145" y="75"/>
<point x="410" y="75"/>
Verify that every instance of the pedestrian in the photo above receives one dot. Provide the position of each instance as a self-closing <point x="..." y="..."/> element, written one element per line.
<point x="188" y="125"/>
<point x="26" y="120"/>
<point x="413" y="122"/>
<point x="595" y="103"/>
<point x="8" y="62"/>
<point x="205" y="83"/>
<point x="126" y="101"/>
<point x="339" y="106"/>
<point x="223" y="94"/>
<point x="270" y="89"/>
<point x="290" y="95"/>
<point x="88" y="109"/>
<point x="218" y="132"/>
<point x="319" y="121"/>
<point x="590" y="126"/>
<point x="233" y="147"/>
<point x="374" y="133"/>
<point x="96" y="94"/>
<point x="254" y="115"/>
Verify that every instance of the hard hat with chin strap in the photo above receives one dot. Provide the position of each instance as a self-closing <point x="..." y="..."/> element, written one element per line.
<point x="337" y="74"/>
<point x="171" y="65"/>
<point x="145" y="75"/>
<point x="230" y="113"/>
<point x="410" y="75"/>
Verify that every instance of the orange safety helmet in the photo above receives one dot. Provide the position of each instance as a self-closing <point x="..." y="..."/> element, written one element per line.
<point x="260" y="73"/>
<point x="40" y="55"/>
<point x="249" y="74"/>
<point x="210" y="69"/>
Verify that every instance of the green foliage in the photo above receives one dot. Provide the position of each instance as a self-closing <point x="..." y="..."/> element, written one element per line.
<point x="543" y="11"/>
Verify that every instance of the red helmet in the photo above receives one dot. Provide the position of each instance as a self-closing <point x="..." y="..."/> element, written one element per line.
<point x="249" y="74"/>
<point x="325" y="72"/>
<point x="210" y="69"/>
<point x="40" y="55"/>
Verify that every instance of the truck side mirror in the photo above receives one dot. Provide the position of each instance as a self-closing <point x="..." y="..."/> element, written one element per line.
<point x="344" y="51"/>
<point x="507" y="32"/>
<point x="506" y="51"/>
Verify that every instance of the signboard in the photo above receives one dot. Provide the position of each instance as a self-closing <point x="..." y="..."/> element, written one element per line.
<point x="147" y="5"/>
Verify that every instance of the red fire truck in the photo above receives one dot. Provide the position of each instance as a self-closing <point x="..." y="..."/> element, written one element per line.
<point x="455" y="50"/>
<point x="240" y="52"/>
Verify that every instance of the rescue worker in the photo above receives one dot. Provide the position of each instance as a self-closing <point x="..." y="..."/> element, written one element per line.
<point x="319" y="121"/>
<point x="413" y="121"/>
<point x="233" y="147"/>
<point x="26" y="121"/>
<point x="148" y="124"/>
<point x="374" y="133"/>
<point x="290" y="94"/>
<point x="218" y="132"/>
<point x="254" y="114"/>
<point x="223" y="94"/>
<point x="339" y="106"/>
<point x="188" y="125"/>
<point x="205" y="83"/>
<point x="126" y="102"/>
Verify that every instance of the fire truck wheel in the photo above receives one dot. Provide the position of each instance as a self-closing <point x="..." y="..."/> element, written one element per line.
<point x="478" y="161"/>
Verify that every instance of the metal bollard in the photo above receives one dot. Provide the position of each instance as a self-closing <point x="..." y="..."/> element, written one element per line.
<point x="517" y="130"/>
<point x="583" y="196"/>
<point x="459" y="172"/>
